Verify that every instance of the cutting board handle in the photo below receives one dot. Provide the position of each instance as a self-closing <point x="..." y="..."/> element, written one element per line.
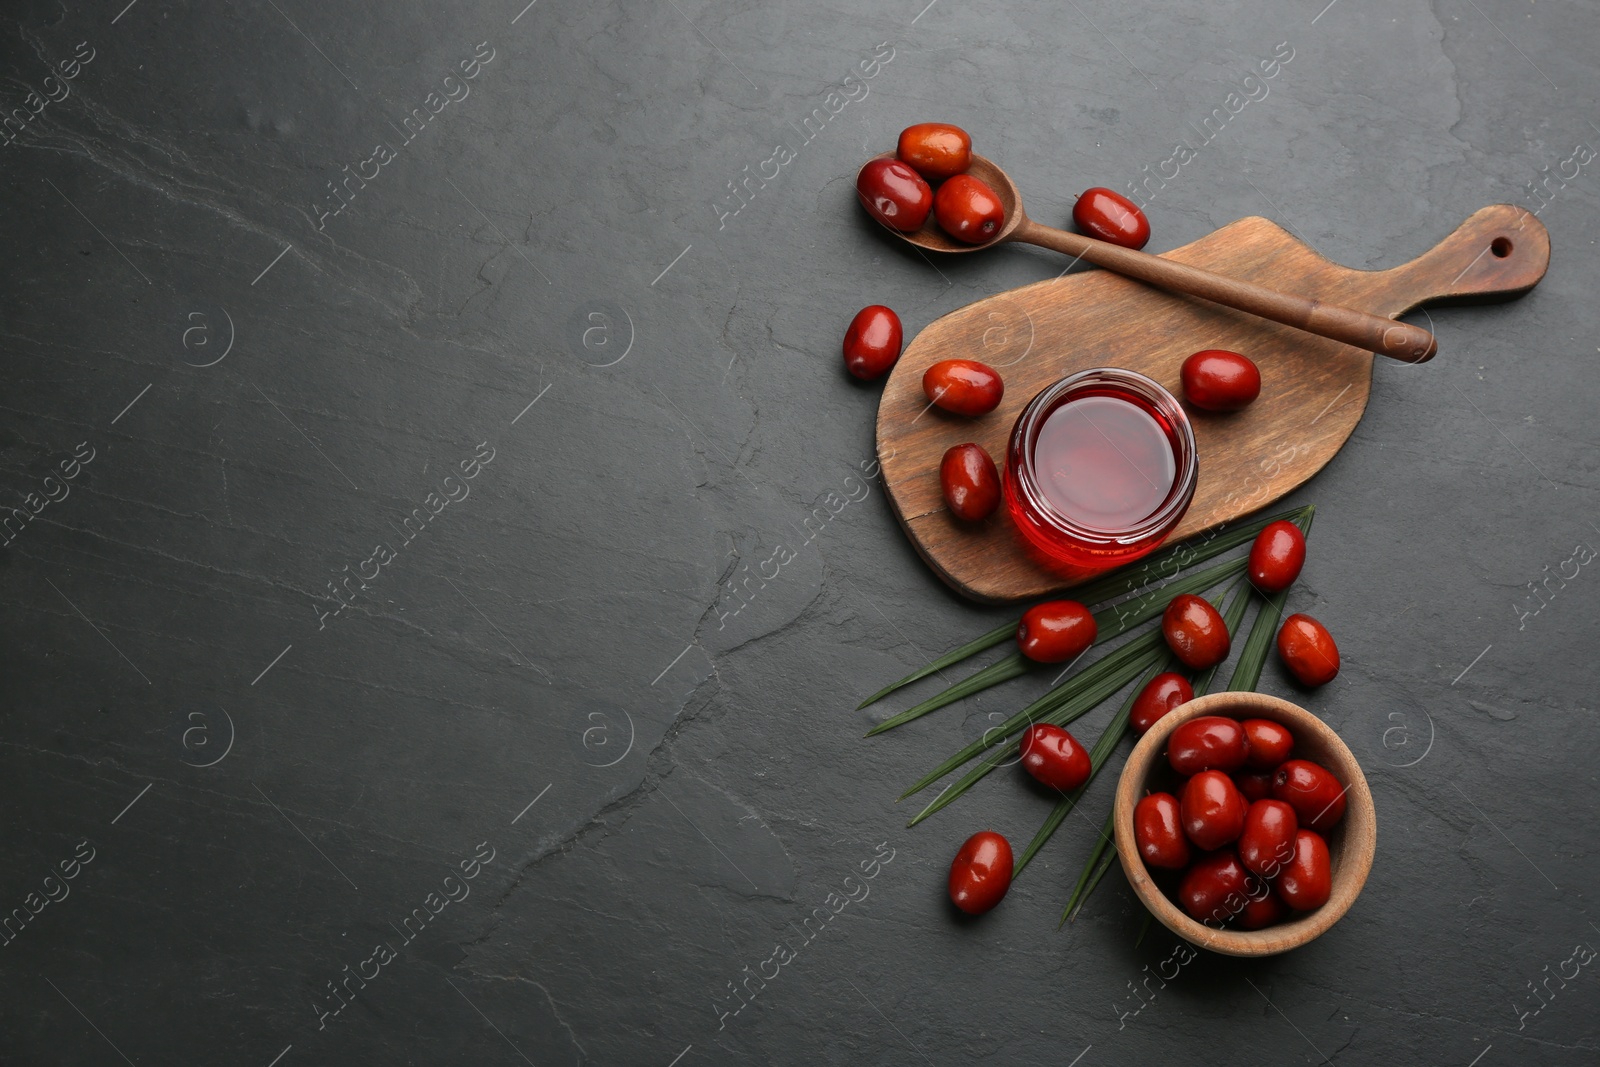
<point x="1499" y="253"/>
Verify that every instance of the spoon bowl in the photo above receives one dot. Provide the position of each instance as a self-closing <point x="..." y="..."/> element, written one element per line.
<point x="931" y="237"/>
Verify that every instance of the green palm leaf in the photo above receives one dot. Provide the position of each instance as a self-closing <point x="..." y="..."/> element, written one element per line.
<point x="1111" y="623"/>
<point x="1119" y="666"/>
<point x="1165" y="562"/>
<point x="1238" y="596"/>
<point x="1099" y="862"/>
<point x="1246" y="673"/>
<point x="971" y="648"/>
<point x="1102" y="748"/>
<point x="1060" y="714"/>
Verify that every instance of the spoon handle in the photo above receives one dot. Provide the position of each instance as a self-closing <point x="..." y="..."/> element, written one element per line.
<point x="1373" y="333"/>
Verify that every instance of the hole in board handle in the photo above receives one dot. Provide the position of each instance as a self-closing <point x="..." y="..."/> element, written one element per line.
<point x="1501" y="247"/>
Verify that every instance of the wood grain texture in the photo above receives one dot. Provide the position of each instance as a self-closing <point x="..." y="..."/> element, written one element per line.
<point x="1351" y="844"/>
<point x="1312" y="395"/>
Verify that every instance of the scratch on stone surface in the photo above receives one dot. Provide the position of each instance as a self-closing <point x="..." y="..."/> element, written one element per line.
<point x="597" y="823"/>
<point x="607" y="593"/>
<point x="1348" y="1042"/>
<point x="217" y="574"/>
<point x="52" y="343"/>
<point x="97" y="764"/>
<point x="1384" y="1006"/>
<point x="181" y="179"/>
<point x="562" y="845"/>
<point x="800" y="613"/>
<point x="446" y="646"/>
<point x="226" y="510"/>
<point x="134" y="577"/>
<point x="227" y="802"/>
<point x="555" y="1011"/>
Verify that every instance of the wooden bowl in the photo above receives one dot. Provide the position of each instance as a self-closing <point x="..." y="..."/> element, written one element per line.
<point x="1351" y="844"/>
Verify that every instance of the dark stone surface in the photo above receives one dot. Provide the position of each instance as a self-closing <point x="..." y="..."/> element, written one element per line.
<point x="566" y="633"/>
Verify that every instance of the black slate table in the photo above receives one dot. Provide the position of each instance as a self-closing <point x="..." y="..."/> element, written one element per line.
<point x="445" y="549"/>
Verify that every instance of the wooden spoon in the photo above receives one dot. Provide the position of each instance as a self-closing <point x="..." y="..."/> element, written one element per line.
<point x="1397" y="340"/>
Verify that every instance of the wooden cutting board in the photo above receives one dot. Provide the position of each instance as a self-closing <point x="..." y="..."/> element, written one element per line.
<point x="1313" y="391"/>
